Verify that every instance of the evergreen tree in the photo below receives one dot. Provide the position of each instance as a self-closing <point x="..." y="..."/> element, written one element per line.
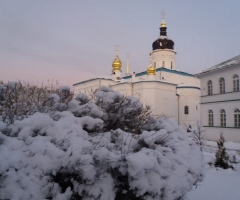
<point x="222" y="158"/>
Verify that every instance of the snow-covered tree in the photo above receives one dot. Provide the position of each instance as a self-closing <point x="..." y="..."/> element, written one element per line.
<point x="87" y="148"/>
<point x="197" y="134"/>
<point x="222" y="157"/>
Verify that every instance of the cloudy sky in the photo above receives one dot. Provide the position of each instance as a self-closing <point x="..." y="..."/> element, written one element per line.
<point x="71" y="41"/>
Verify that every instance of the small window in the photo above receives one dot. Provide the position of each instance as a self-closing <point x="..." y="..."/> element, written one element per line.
<point x="222" y="85"/>
<point x="155" y="64"/>
<point x="237" y="118"/>
<point x="186" y="110"/>
<point x="196" y="107"/>
<point x="209" y="87"/>
<point x="223" y="118"/>
<point x="171" y="65"/>
<point x="210" y="118"/>
<point x="163" y="63"/>
<point x="235" y="83"/>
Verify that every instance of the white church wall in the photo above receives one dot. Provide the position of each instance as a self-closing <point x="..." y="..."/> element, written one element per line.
<point x="189" y="97"/>
<point x="159" y="95"/>
<point x="178" y="78"/>
<point x="164" y="58"/>
<point x="88" y="87"/>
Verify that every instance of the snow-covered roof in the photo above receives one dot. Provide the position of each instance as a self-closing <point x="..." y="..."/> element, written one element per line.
<point x="92" y="79"/>
<point x="228" y="63"/>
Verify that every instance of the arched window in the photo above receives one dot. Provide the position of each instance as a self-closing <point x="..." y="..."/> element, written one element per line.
<point x="171" y="65"/>
<point x="163" y="63"/>
<point x="210" y="118"/>
<point x="235" y="83"/>
<point x="222" y="85"/>
<point x="155" y="64"/>
<point x="186" y="110"/>
<point x="209" y="87"/>
<point x="237" y="118"/>
<point x="223" y="117"/>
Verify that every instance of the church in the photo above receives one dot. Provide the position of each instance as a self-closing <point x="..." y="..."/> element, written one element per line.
<point x="169" y="92"/>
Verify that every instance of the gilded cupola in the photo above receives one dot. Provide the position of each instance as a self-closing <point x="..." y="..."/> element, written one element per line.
<point x="117" y="64"/>
<point x="151" y="70"/>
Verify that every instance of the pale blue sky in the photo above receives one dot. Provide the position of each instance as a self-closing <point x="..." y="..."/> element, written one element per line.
<point x="75" y="40"/>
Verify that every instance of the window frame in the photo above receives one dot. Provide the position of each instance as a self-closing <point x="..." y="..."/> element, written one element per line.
<point x="235" y="83"/>
<point x="223" y="118"/>
<point x="222" y="85"/>
<point x="209" y="87"/>
<point x="186" y="110"/>
<point x="236" y="118"/>
<point x="210" y="118"/>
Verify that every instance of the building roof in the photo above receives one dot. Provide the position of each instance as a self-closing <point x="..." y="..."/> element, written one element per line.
<point x="228" y="63"/>
<point x="160" y="69"/>
<point x="92" y="79"/>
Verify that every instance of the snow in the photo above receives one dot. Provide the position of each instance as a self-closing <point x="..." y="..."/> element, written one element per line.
<point x="229" y="145"/>
<point x="60" y="153"/>
<point x="219" y="184"/>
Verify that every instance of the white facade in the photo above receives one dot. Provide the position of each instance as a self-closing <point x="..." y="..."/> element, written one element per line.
<point x="222" y="100"/>
<point x="167" y="92"/>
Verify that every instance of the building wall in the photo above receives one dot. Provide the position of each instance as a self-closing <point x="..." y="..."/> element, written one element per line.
<point x="166" y="55"/>
<point x="89" y="86"/>
<point x="189" y="97"/>
<point x="228" y="101"/>
<point x="214" y="76"/>
<point x="160" y="96"/>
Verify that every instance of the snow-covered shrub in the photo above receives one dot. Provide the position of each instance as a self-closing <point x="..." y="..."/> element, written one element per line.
<point x="19" y="100"/>
<point x="225" y="159"/>
<point x="55" y="155"/>
<point x="124" y="112"/>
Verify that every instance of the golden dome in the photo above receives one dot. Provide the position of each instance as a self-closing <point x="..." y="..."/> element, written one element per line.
<point x="117" y="64"/>
<point x="151" y="70"/>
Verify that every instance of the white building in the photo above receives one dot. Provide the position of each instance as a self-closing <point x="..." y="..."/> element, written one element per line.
<point x="168" y="91"/>
<point x="220" y="100"/>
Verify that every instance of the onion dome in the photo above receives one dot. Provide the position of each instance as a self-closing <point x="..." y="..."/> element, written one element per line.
<point x="151" y="69"/>
<point x="163" y="42"/>
<point x="117" y="64"/>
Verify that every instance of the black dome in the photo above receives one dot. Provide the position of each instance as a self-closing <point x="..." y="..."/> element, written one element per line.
<point x="163" y="42"/>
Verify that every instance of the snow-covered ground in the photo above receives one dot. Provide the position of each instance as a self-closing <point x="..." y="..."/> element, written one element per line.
<point x="219" y="184"/>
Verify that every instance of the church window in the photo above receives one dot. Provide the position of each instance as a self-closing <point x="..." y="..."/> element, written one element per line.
<point x="222" y="85"/>
<point x="163" y="63"/>
<point x="196" y="107"/>
<point x="223" y="118"/>
<point x="210" y="118"/>
<point x="235" y="83"/>
<point x="237" y="118"/>
<point x="209" y="87"/>
<point x="155" y="64"/>
<point x="186" y="110"/>
<point x="171" y="65"/>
